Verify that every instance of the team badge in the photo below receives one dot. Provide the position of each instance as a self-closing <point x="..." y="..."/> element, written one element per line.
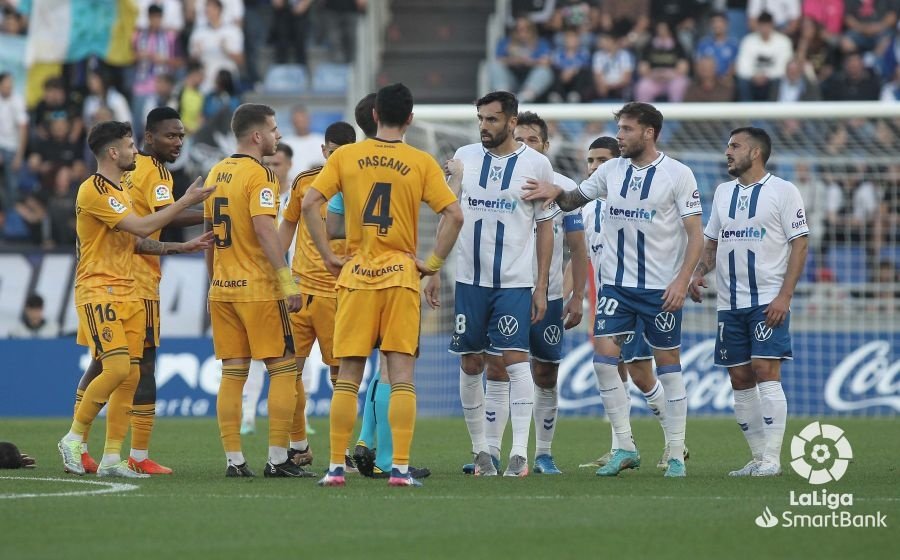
<point x="636" y="183"/>
<point x="117" y="206"/>
<point x="107" y="334"/>
<point x="743" y="202"/>
<point x="495" y="173"/>
<point x="162" y="193"/>
<point x="266" y="198"/>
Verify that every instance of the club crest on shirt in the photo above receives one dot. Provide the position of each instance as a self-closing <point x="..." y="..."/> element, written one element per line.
<point x="636" y="183"/>
<point x="266" y="198"/>
<point x="117" y="206"/>
<point x="107" y="334"/>
<point x="743" y="202"/>
<point x="496" y="173"/>
<point x="162" y="193"/>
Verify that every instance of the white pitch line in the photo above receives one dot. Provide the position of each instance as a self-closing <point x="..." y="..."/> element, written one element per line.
<point x="422" y="495"/>
<point x="106" y="487"/>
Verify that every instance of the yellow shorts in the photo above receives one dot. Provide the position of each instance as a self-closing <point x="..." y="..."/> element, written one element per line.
<point x="315" y="321"/>
<point x="366" y="319"/>
<point x="250" y="329"/>
<point x="106" y="326"/>
<point x="151" y="308"/>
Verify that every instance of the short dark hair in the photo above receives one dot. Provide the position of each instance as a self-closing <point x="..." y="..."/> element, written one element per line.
<point x="644" y="113"/>
<point x="33" y="301"/>
<point x="216" y="2"/>
<point x="286" y="150"/>
<point x="760" y="137"/>
<point x="340" y="133"/>
<point x="54" y="83"/>
<point x="363" y="115"/>
<point x="155" y="9"/>
<point x="4" y="75"/>
<point x="105" y="133"/>
<point x="508" y="102"/>
<point x="606" y="143"/>
<point x="394" y="104"/>
<point x="765" y="17"/>
<point x="158" y="115"/>
<point x="528" y="118"/>
<point x="249" y="115"/>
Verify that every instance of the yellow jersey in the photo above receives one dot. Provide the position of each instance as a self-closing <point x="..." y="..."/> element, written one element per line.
<point x="244" y="188"/>
<point x="384" y="184"/>
<point x="307" y="265"/>
<point x="105" y="254"/>
<point x="150" y="186"/>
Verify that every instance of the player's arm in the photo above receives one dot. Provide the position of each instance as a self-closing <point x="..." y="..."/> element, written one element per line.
<point x="209" y="254"/>
<point x="448" y="230"/>
<point x="311" y="208"/>
<point x="544" y="240"/>
<point x="143" y="226"/>
<point x="147" y="246"/>
<point x="706" y="265"/>
<point x="267" y="236"/>
<point x="286" y="231"/>
<point x="454" y="169"/>
<point x="673" y="297"/>
<point x="578" y="262"/>
<point x="187" y="218"/>
<point x="778" y="308"/>
<point x="549" y="192"/>
<point x="334" y="218"/>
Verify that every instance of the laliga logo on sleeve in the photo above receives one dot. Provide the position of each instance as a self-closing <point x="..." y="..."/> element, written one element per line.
<point x="266" y="198"/>
<point x="117" y="206"/>
<point x="820" y="453"/>
<point x="162" y="193"/>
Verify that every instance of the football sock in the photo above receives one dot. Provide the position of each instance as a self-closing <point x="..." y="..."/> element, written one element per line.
<point x="471" y="395"/>
<point x="277" y="454"/>
<point x="615" y="400"/>
<point x="656" y="402"/>
<point x="367" y="430"/>
<point x="774" y="416"/>
<point x="79" y="395"/>
<point x="343" y="416"/>
<point x="404" y="469"/>
<point x="402" y="418"/>
<point x="116" y="368"/>
<point x="546" y="406"/>
<point x="748" y="413"/>
<point x="282" y="402"/>
<point x="299" y="445"/>
<point x="521" y="404"/>
<point x="676" y="408"/>
<point x="253" y="387"/>
<point x="235" y="458"/>
<point x="228" y="406"/>
<point x="384" y="453"/>
<point x="110" y="458"/>
<point x="298" y="424"/>
<point x="119" y="414"/>
<point x="142" y="419"/>
<point x="496" y="414"/>
<point x="139" y="454"/>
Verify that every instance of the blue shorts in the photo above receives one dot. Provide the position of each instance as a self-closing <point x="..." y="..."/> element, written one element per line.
<point x="619" y="308"/>
<point x="493" y="319"/>
<point x="743" y="335"/>
<point x="635" y="347"/>
<point x="546" y="336"/>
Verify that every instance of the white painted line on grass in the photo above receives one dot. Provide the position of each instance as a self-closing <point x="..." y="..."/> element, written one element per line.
<point x="103" y="487"/>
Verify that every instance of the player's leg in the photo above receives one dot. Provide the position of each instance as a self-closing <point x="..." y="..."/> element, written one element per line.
<point x="384" y="454"/>
<point x="91" y="373"/>
<point x="366" y="439"/>
<point x="496" y="403"/>
<point x="298" y="451"/>
<point x="545" y="342"/>
<point x="305" y="330"/>
<point x="250" y="395"/>
<point x="614" y="441"/>
<point x="143" y="415"/>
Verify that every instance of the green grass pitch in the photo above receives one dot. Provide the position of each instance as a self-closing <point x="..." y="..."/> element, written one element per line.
<point x="199" y="514"/>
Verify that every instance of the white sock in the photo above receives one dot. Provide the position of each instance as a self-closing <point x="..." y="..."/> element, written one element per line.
<point x="656" y="402"/>
<point x="110" y="460"/>
<point x="402" y="468"/>
<point x="615" y="439"/>
<point x="235" y="457"/>
<point x="72" y="436"/>
<point x="675" y="422"/>
<point x="774" y="415"/>
<point x="471" y="395"/>
<point x="277" y="455"/>
<point x="521" y="404"/>
<point x="84" y="448"/>
<point x="252" y="390"/>
<point x="300" y="445"/>
<point x="546" y="406"/>
<point x="615" y="400"/>
<point x="748" y="412"/>
<point x="334" y="466"/>
<point x="139" y="454"/>
<point x="496" y="414"/>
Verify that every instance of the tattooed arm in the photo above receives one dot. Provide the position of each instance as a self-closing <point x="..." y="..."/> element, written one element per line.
<point x="706" y="265"/>
<point x="147" y="246"/>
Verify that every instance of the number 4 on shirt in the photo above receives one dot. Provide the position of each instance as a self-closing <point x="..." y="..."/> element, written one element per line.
<point x="378" y="208"/>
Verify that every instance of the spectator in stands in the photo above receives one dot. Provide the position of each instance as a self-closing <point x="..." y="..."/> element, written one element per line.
<point x="341" y="17"/>
<point x="571" y="14"/>
<point x="172" y="14"/>
<point x="762" y="58"/>
<point x="31" y="212"/>
<point x="851" y="208"/>
<point x="682" y="16"/>
<point x="164" y="95"/>
<point x="305" y="143"/>
<point x="58" y="148"/>
<point x="613" y="68"/>
<point x="890" y="92"/>
<point x="628" y="19"/>
<point x="190" y="98"/>
<point x="797" y="85"/>
<point x="707" y="86"/>
<point x="102" y="94"/>
<point x="13" y="22"/>
<point x="13" y="137"/>
<point x="869" y="24"/>
<point x="719" y="46"/>
<point x="55" y="102"/>
<point x="223" y="98"/>
<point x="231" y="12"/>
<point x="572" y="66"/>
<point x="290" y="30"/>
<point x="218" y="45"/>
<point x="827" y="13"/>
<point x="813" y="48"/>
<point x="785" y="14"/>
<point x="60" y="207"/>
<point x="854" y="83"/>
<point x="33" y="324"/>
<point x="257" y="27"/>
<point x="812" y="189"/>
<point x="663" y="68"/>
<point x="156" y="53"/>
<point x="889" y="209"/>
<point x="523" y="63"/>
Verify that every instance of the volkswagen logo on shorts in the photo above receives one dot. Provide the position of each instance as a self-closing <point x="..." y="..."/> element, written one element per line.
<point x="508" y="325"/>
<point x="552" y="335"/>
<point x="628" y="339"/>
<point x="762" y="332"/>
<point x="665" y="321"/>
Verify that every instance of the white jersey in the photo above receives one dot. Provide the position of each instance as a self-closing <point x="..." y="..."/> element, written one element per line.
<point x="642" y="230"/>
<point x="592" y="216"/>
<point x="754" y="226"/>
<point x="563" y="223"/>
<point x="496" y="244"/>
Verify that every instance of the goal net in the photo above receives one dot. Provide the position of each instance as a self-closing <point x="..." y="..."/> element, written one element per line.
<point x="845" y="325"/>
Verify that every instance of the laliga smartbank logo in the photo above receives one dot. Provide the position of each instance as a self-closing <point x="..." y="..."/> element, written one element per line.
<point x="820" y="454"/>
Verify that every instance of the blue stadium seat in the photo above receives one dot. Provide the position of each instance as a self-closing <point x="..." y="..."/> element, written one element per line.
<point x="328" y="78"/>
<point x="848" y="264"/>
<point x="319" y="120"/>
<point x="891" y="253"/>
<point x="286" y="78"/>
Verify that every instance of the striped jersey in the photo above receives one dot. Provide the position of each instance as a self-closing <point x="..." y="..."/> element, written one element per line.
<point x="563" y="223"/>
<point x="754" y="226"/>
<point x="643" y="234"/>
<point x="592" y="217"/>
<point x="496" y="244"/>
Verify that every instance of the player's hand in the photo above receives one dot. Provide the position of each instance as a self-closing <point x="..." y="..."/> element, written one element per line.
<point x="424" y="270"/>
<point x="776" y="312"/>
<point x="433" y="291"/>
<point x="673" y="297"/>
<point x="199" y="243"/>
<point x="697" y="282"/>
<point x="294" y="303"/>
<point x="197" y="193"/>
<point x="541" y="190"/>
<point x="573" y="312"/>
<point x="538" y="305"/>
<point x="27" y="461"/>
<point x="335" y="263"/>
<point x="454" y="167"/>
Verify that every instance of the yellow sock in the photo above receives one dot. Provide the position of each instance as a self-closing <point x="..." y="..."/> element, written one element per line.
<point x="119" y="412"/>
<point x="343" y="416"/>
<point x="298" y="427"/>
<point x="282" y="401"/>
<point x="79" y="396"/>
<point x="402" y="418"/>
<point x="142" y="417"/>
<point x="116" y="368"/>
<point x="228" y="405"/>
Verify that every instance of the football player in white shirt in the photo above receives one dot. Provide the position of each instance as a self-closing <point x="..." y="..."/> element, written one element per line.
<point x="757" y="241"/>
<point x="494" y="303"/>
<point x="652" y="205"/>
